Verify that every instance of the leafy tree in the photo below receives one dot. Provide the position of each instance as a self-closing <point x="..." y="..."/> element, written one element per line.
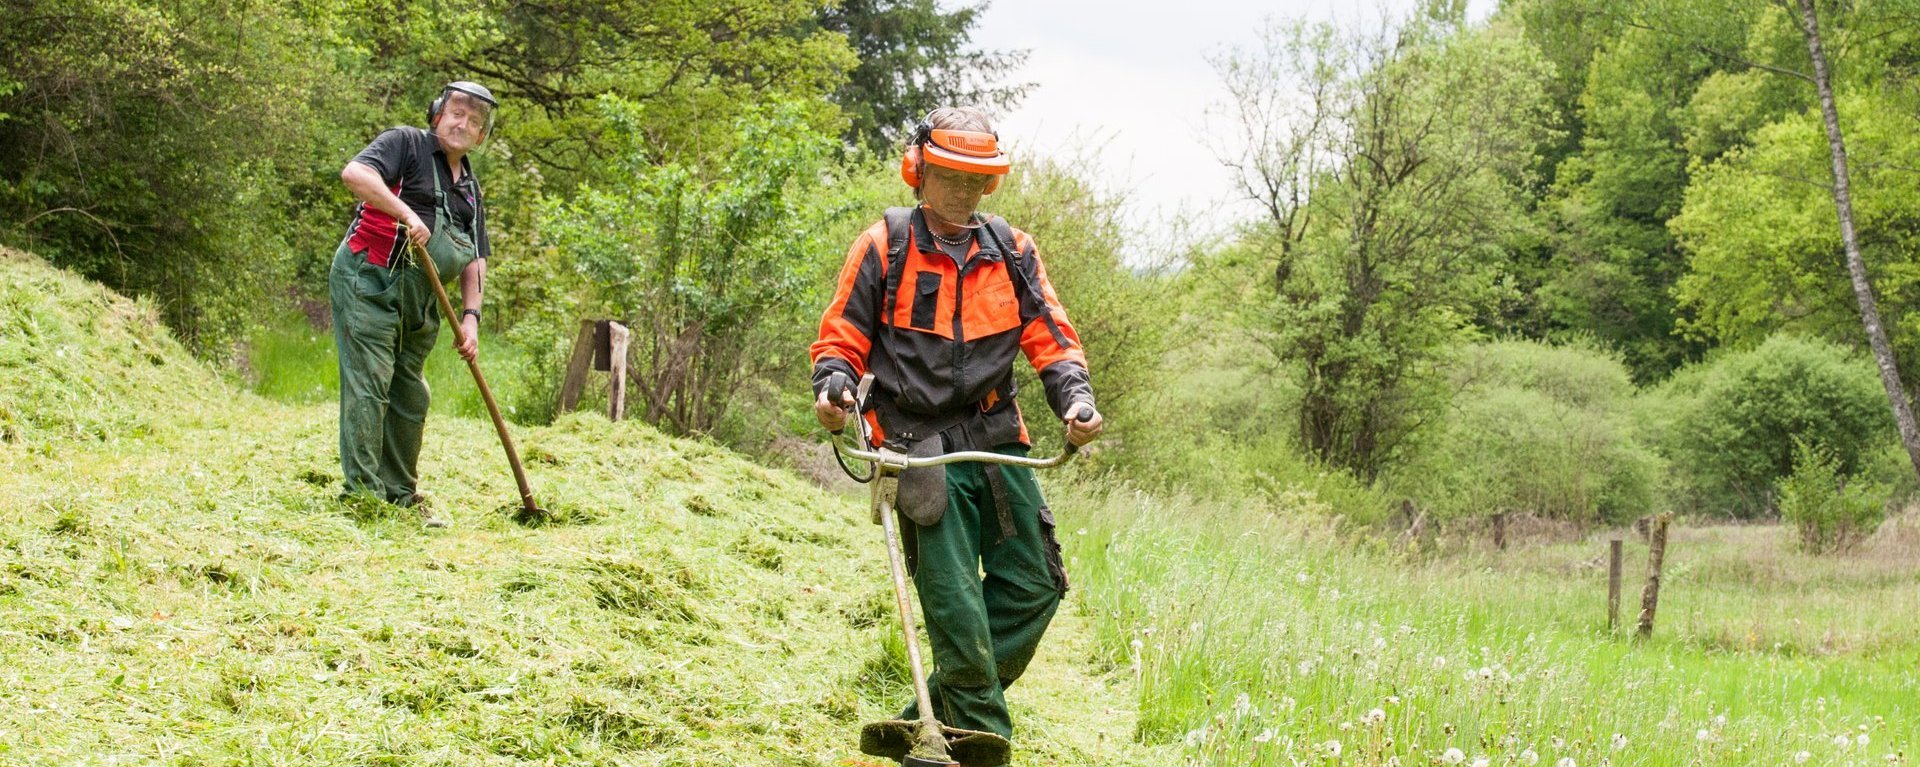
<point x="1612" y="261"/>
<point x="1857" y="222"/>
<point x="168" y="148"/>
<point x="708" y="264"/>
<point x="1393" y="195"/>
<point x="914" y="57"/>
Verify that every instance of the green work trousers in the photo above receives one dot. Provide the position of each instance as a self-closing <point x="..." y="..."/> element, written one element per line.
<point x="384" y="324"/>
<point x="985" y="628"/>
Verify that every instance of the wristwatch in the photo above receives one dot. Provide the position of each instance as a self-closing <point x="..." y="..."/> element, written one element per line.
<point x="474" y="312"/>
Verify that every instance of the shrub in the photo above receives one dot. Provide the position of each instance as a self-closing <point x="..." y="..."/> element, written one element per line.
<point x="1537" y="428"/>
<point x="1832" y="511"/>
<point x="1729" y="425"/>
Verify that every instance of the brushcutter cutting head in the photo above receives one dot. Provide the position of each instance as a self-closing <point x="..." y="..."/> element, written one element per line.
<point x="944" y="746"/>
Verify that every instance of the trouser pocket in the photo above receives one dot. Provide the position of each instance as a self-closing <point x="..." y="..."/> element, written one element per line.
<point x="1056" y="563"/>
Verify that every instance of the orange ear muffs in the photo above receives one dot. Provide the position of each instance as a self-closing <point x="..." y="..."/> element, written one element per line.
<point x="967" y="151"/>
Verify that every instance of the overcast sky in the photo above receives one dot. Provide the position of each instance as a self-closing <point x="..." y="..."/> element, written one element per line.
<point x="1128" y="82"/>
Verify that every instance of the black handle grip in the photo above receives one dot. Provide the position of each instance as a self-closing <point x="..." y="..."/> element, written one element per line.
<point x="1086" y="415"/>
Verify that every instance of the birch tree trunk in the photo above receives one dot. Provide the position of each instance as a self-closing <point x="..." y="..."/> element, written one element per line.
<point x="1856" y="267"/>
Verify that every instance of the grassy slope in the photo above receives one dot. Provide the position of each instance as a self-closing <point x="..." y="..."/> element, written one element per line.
<point x="178" y="585"/>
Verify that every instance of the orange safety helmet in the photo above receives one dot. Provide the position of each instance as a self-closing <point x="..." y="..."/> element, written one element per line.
<point x="961" y="150"/>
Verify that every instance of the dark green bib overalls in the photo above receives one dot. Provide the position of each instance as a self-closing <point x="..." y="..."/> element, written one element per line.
<point x="385" y="322"/>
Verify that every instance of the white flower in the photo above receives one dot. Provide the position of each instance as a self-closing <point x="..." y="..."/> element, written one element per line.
<point x="1862" y="740"/>
<point x="1802" y="757"/>
<point x="1374" y="717"/>
<point x="1393" y="761"/>
<point x="1286" y="703"/>
<point x="1529" y="756"/>
<point x="1452" y="756"/>
<point x="1379" y="643"/>
<point x="1305" y="667"/>
<point x="1566" y="761"/>
<point x="1841" y="742"/>
<point x="1332" y="748"/>
<point x="1265" y="735"/>
<point x="1720" y="721"/>
<point x="1619" y="741"/>
<point x="1393" y="700"/>
<point x="1439" y="661"/>
<point x="1196" y="737"/>
<point x="1558" y="743"/>
<point x="1299" y="577"/>
<point x="1481" y="761"/>
<point x="1242" y="704"/>
<point x="1703" y="736"/>
<point x="1486" y="673"/>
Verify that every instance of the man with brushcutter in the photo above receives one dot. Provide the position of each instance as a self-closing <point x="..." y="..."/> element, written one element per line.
<point x="936" y="301"/>
<point x="415" y="186"/>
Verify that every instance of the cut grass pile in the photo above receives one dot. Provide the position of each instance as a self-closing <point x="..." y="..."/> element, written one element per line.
<point x="180" y="585"/>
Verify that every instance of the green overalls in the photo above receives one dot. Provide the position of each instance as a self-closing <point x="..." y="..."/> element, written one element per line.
<point x="385" y="321"/>
<point x="985" y="629"/>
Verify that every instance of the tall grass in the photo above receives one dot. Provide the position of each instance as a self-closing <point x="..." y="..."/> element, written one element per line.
<point x="1259" y="638"/>
<point x="292" y="362"/>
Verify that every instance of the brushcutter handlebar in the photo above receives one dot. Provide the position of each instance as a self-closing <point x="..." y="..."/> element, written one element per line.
<point x="893" y="460"/>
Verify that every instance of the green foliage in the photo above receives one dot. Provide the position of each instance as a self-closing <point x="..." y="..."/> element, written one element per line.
<point x="693" y="69"/>
<point x="1832" y="511"/>
<point x="1763" y="245"/>
<point x="164" y="147"/>
<point x="707" y="265"/>
<point x="1415" y="205"/>
<point x="1729" y="424"/>
<point x="1539" y="429"/>
<point x="913" y="57"/>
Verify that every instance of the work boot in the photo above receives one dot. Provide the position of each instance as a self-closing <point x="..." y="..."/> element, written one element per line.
<point x="429" y="512"/>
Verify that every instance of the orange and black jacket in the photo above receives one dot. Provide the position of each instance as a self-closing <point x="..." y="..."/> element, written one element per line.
<point x="942" y="349"/>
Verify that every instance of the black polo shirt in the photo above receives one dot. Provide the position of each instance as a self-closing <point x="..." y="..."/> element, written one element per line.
<point x="404" y="156"/>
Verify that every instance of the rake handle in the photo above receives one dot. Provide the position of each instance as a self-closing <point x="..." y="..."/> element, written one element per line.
<point x="486" y="394"/>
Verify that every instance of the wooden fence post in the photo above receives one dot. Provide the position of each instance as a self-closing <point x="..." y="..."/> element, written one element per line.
<point x="1656" y="556"/>
<point x="617" y="365"/>
<point x="1500" y="531"/>
<point x="577" y="365"/>
<point x="1613" y="584"/>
